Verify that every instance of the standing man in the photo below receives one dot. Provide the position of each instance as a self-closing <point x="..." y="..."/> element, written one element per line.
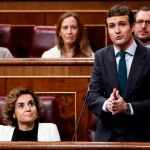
<point x="119" y="89"/>
<point x="142" y="25"/>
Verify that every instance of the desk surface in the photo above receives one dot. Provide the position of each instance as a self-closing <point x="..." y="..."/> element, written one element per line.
<point x="74" y="145"/>
<point x="26" y="61"/>
<point x="46" y="67"/>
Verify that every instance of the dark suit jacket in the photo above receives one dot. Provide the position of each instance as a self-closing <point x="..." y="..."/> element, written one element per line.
<point x="104" y="79"/>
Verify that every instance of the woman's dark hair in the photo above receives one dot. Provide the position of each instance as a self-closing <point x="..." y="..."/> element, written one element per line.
<point x="9" y="105"/>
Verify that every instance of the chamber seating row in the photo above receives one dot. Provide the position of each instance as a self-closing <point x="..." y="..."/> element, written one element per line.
<point x="25" y="41"/>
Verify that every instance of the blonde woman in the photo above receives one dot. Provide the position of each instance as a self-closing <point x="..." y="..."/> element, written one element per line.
<point x="71" y="39"/>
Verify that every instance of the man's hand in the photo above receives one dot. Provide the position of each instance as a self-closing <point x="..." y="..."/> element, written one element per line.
<point x="110" y="100"/>
<point x="115" y="103"/>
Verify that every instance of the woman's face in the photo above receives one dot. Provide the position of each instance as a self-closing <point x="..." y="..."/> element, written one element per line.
<point x="69" y="30"/>
<point x="25" y="110"/>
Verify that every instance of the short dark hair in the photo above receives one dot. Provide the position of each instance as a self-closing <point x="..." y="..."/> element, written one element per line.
<point x="121" y="10"/>
<point x="9" y="103"/>
<point x="144" y="8"/>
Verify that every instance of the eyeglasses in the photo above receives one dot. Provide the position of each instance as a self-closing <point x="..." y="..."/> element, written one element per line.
<point x="140" y="22"/>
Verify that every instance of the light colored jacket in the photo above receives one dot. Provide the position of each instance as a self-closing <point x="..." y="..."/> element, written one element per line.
<point x="52" y="53"/>
<point x="46" y="132"/>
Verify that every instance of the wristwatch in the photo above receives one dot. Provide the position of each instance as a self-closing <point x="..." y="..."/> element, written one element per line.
<point x="127" y="110"/>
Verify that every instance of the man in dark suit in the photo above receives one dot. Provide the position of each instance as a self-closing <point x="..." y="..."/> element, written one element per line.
<point x="123" y="107"/>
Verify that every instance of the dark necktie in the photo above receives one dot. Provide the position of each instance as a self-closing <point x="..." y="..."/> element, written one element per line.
<point x="122" y="72"/>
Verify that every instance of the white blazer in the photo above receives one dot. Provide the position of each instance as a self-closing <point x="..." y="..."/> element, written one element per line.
<point x="46" y="132"/>
<point x="54" y="52"/>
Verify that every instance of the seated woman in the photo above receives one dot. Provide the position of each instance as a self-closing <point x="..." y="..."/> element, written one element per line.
<point x="71" y="39"/>
<point x="21" y="111"/>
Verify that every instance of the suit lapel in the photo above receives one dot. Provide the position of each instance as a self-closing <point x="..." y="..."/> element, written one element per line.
<point x="135" y="71"/>
<point x="112" y="66"/>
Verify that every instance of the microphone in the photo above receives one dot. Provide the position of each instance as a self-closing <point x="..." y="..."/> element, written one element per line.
<point x="80" y="116"/>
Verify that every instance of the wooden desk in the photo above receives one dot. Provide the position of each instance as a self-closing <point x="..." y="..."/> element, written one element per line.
<point x="46" y="67"/>
<point x="74" y="146"/>
<point x="67" y="79"/>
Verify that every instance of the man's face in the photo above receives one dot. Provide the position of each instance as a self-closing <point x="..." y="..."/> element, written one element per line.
<point x="142" y="26"/>
<point x="120" y="31"/>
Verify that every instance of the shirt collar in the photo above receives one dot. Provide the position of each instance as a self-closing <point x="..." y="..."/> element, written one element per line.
<point x="130" y="50"/>
<point x="148" y="46"/>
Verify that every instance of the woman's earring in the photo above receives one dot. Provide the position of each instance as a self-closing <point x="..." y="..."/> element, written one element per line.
<point x="14" y="117"/>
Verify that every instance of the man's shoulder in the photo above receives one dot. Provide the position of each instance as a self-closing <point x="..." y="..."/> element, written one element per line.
<point x="142" y="49"/>
<point x="104" y="50"/>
